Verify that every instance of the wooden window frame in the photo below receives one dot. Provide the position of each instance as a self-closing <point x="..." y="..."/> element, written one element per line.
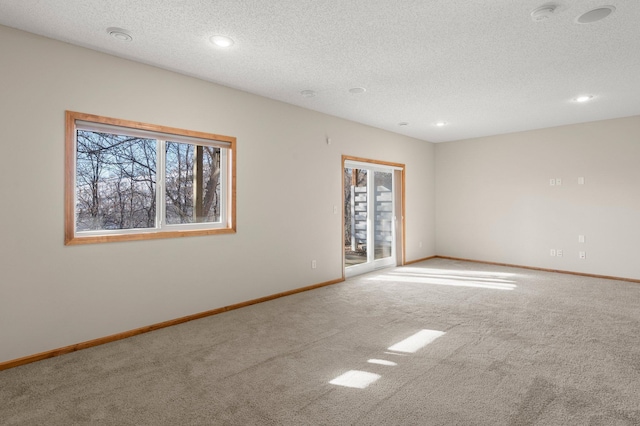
<point x="71" y="237"/>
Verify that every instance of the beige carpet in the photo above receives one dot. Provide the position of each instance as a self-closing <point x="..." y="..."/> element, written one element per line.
<point x="436" y="343"/>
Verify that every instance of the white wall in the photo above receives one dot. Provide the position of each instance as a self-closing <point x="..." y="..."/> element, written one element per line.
<point x="494" y="202"/>
<point x="288" y="180"/>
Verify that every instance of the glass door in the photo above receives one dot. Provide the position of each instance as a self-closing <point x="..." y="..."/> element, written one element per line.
<point x="369" y="218"/>
<point x="383" y="219"/>
<point x="356" y="219"/>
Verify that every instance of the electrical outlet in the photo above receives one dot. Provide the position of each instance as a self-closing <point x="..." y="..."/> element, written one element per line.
<point x="552" y="252"/>
<point x="582" y="255"/>
<point x="559" y="253"/>
<point x="558" y="182"/>
<point x="552" y="182"/>
<point x="314" y="264"/>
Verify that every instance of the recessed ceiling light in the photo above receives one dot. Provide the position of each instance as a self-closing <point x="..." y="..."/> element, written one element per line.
<point x="403" y="123"/>
<point x="441" y="123"/>
<point x="119" y="34"/>
<point x="308" y="93"/>
<point x="222" y="41"/>
<point x="583" y="98"/>
<point x="544" y="12"/>
<point x="357" y="90"/>
<point x="595" y="15"/>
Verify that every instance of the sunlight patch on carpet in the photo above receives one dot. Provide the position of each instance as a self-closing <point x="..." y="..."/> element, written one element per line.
<point x="453" y="276"/>
<point x="355" y="379"/>
<point x="382" y="362"/>
<point x="414" y="343"/>
<point x="490" y="274"/>
<point x="453" y="282"/>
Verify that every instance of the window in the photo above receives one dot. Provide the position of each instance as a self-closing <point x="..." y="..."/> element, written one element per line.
<point x="131" y="181"/>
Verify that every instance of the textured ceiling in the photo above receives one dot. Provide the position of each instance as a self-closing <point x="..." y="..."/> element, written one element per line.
<point x="483" y="66"/>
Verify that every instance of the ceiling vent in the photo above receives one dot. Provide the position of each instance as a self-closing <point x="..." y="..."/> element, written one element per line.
<point x="119" y="34"/>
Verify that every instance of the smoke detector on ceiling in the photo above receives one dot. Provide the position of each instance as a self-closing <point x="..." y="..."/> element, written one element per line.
<point x="544" y="12"/>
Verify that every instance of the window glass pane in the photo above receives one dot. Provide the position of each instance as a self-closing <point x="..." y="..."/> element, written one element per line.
<point x="383" y="214"/>
<point x="115" y="181"/>
<point x="356" y="246"/>
<point x="192" y="177"/>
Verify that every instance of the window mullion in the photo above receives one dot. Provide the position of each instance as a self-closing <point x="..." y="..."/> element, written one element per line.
<point x="371" y="200"/>
<point x="160" y="184"/>
<point x="223" y="186"/>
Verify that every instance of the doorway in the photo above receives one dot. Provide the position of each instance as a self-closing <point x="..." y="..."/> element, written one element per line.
<point x="372" y="215"/>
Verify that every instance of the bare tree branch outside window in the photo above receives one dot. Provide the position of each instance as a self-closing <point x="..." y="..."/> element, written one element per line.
<point x="192" y="196"/>
<point x="115" y="181"/>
